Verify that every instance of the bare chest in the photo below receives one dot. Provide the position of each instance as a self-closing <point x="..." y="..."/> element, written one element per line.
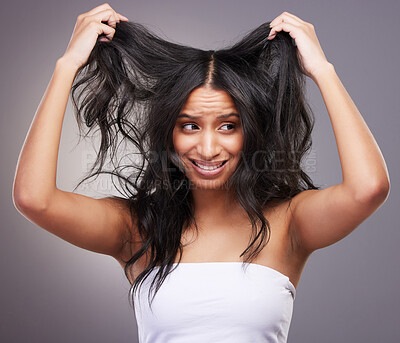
<point x="226" y="243"/>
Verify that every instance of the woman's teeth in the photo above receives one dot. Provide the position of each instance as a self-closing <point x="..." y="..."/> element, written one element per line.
<point x="208" y="167"/>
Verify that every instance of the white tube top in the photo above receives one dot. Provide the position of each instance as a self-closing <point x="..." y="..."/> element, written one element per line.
<point x="216" y="302"/>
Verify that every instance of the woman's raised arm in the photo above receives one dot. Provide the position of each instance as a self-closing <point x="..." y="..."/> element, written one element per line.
<point x="95" y="224"/>
<point x="323" y="217"/>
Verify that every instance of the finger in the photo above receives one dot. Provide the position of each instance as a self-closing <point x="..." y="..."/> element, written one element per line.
<point x="98" y="9"/>
<point x="104" y="7"/>
<point x="123" y="18"/>
<point x="108" y="16"/>
<point x="286" y="17"/>
<point x="290" y="15"/>
<point x="288" y="20"/>
<point x="284" y="26"/>
<point x="107" y="30"/>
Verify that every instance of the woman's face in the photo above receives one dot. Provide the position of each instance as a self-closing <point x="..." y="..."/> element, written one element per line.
<point x="208" y="137"/>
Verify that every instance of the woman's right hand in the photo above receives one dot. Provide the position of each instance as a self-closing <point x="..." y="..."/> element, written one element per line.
<point x="86" y="31"/>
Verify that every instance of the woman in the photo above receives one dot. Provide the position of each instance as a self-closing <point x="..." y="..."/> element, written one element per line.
<point x="221" y="135"/>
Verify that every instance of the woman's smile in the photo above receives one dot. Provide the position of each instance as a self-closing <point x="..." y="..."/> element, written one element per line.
<point x="208" y="169"/>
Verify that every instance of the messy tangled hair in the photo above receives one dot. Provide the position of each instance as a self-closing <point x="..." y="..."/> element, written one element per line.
<point x="132" y="89"/>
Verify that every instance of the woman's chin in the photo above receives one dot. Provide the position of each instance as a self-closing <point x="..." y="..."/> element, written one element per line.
<point x="207" y="184"/>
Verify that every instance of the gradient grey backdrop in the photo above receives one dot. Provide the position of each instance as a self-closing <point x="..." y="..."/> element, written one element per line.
<point x="52" y="291"/>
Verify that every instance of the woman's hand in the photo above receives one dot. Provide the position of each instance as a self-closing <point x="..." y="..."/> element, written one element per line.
<point x="310" y="53"/>
<point x="87" y="29"/>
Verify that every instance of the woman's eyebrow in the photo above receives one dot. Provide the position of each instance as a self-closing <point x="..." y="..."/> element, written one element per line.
<point x="222" y="116"/>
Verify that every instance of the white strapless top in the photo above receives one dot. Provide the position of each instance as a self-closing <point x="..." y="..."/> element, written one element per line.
<point x="216" y="302"/>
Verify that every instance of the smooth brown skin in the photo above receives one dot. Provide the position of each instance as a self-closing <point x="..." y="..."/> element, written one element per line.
<point x="316" y="219"/>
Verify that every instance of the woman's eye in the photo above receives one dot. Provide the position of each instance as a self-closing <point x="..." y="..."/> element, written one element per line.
<point x="231" y="125"/>
<point x="190" y="126"/>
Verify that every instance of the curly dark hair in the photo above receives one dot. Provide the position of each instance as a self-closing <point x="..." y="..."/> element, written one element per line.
<point x="132" y="89"/>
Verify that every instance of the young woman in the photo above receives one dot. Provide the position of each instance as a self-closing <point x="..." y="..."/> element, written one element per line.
<point x="219" y="185"/>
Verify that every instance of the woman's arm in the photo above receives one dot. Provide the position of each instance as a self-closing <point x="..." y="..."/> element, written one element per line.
<point x="363" y="166"/>
<point x="35" y="178"/>
<point x="323" y="217"/>
<point x="100" y="225"/>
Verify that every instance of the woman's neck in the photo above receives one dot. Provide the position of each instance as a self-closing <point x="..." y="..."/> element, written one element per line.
<point x="215" y="204"/>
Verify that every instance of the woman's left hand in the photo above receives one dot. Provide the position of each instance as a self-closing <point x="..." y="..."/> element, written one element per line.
<point x="310" y="52"/>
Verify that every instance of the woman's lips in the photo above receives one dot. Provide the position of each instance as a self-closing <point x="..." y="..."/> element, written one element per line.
<point x="208" y="172"/>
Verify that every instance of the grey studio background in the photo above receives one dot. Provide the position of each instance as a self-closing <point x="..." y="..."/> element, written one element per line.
<point x="52" y="291"/>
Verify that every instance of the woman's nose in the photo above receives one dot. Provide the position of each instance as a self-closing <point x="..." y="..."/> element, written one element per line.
<point x="208" y="146"/>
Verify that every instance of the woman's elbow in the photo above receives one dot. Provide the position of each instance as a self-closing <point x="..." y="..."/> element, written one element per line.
<point x="25" y="202"/>
<point x="376" y="193"/>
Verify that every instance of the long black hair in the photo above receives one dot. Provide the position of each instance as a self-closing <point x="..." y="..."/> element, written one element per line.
<point x="132" y="89"/>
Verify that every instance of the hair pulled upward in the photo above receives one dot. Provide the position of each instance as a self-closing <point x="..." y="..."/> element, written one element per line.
<point x="132" y="89"/>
